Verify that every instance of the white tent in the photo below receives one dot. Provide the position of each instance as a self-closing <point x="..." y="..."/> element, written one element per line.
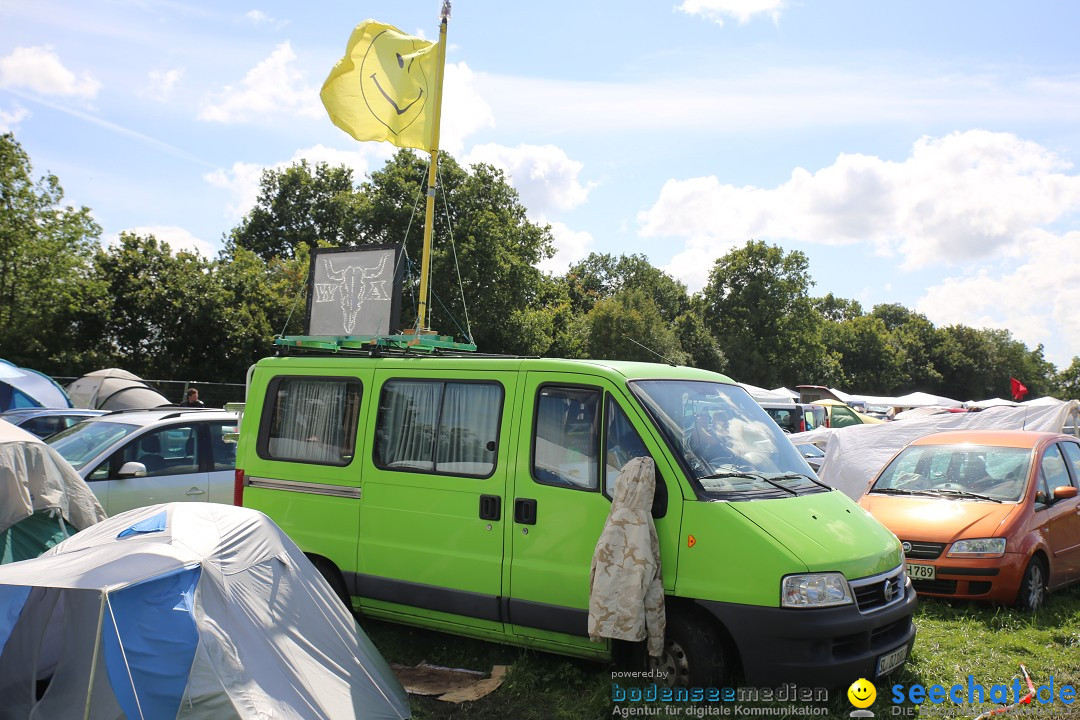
<point x="855" y="454"/>
<point x="184" y="610"/>
<point x="42" y="498"/>
<point x="113" y="389"/>
<point x="761" y="395"/>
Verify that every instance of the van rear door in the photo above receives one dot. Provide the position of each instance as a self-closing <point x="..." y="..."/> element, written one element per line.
<point x="432" y="510"/>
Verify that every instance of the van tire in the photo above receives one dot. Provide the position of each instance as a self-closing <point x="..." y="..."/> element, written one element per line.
<point x="333" y="576"/>
<point x="1032" y="594"/>
<point x="694" y="655"/>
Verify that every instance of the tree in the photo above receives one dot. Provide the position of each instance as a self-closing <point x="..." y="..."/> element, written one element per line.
<point x="481" y="231"/>
<point x="758" y="307"/>
<point x="48" y="301"/>
<point x="1067" y="382"/>
<point x="297" y="207"/>
<point x="163" y="322"/>
<point x="866" y="356"/>
<point x="601" y="276"/>
<point x="629" y="326"/>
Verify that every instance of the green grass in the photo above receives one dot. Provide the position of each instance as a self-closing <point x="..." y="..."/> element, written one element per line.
<point x="954" y="640"/>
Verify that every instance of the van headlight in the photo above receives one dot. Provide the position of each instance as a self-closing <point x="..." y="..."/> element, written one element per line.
<point x="814" y="590"/>
<point x="978" y="548"/>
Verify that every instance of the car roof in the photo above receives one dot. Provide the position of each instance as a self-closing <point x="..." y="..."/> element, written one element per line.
<point x="145" y="417"/>
<point x="995" y="438"/>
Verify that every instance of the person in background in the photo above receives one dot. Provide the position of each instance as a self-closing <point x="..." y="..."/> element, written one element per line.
<point x="192" y="399"/>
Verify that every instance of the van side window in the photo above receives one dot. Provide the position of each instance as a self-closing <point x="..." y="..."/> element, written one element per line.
<point x="450" y="428"/>
<point x="567" y="437"/>
<point x="311" y="420"/>
<point x="621" y="444"/>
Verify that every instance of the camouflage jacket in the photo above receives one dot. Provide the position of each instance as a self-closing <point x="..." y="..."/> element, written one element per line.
<point x="626" y="592"/>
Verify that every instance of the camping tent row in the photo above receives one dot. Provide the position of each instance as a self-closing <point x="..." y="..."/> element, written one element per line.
<point x="188" y="611"/>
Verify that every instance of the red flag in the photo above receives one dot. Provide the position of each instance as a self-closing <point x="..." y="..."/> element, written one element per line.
<point x="1018" y="389"/>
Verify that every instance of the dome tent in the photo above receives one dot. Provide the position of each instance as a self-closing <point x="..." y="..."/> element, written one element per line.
<point x="187" y="611"/>
<point x="42" y="499"/>
<point x="114" y="389"/>
<point x="25" y="388"/>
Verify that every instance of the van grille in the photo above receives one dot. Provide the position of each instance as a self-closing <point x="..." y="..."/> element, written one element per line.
<point x="922" y="550"/>
<point x="879" y="591"/>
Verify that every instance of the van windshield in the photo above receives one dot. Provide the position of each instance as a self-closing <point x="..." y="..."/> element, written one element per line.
<point x="727" y="442"/>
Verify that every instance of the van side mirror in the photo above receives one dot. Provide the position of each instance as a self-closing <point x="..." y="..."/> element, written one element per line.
<point x="1064" y="492"/>
<point x="132" y="469"/>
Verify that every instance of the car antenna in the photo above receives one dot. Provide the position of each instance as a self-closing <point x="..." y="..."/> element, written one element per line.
<point x="665" y="359"/>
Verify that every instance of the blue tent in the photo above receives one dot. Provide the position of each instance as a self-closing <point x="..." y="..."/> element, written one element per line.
<point x="25" y="388"/>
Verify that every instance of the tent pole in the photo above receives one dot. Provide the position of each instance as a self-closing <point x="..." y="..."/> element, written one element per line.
<point x="97" y="648"/>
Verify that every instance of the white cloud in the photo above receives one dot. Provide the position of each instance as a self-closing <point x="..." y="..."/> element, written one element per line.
<point x="161" y="83"/>
<point x="955" y="199"/>
<point x="39" y="69"/>
<point x="734" y="98"/>
<point x="10" y="119"/>
<point x="274" y="86"/>
<point x="464" y="110"/>
<point x="742" y="10"/>
<point x="177" y="237"/>
<point x="544" y="176"/>
<point x="242" y="179"/>
<point x="570" y="247"/>
<point x="260" y="19"/>
<point x="1033" y="298"/>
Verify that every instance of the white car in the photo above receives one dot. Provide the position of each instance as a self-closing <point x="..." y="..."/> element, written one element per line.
<point x="133" y="458"/>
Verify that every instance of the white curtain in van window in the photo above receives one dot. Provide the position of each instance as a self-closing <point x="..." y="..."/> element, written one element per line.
<point x="312" y="417"/>
<point x="408" y="420"/>
<point x="470" y="417"/>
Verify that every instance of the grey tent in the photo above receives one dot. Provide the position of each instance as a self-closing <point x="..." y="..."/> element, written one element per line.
<point x="114" y="389"/>
<point x="42" y="499"/>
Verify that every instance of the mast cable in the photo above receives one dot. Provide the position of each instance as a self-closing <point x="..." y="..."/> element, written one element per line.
<point x="453" y="246"/>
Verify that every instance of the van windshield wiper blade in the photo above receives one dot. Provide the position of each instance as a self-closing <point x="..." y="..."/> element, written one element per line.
<point x="963" y="494"/>
<point x="750" y="474"/>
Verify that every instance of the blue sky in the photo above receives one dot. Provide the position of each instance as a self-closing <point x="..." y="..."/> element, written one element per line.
<point x="922" y="153"/>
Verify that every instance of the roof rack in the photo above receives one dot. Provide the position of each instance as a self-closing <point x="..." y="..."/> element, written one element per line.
<point x="373" y="344"/>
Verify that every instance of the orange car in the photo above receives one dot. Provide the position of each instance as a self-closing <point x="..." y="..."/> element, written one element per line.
<point x="985" y="515"/>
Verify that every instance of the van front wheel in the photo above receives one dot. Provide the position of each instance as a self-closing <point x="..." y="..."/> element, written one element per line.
<point x="693" y="654"/>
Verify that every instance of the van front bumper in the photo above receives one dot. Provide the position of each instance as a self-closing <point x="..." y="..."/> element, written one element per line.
<point x="825" y="647"/>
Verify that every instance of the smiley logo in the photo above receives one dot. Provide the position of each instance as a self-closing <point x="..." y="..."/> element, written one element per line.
<point x="393" y="79"/>
<point x="862" y="693"/>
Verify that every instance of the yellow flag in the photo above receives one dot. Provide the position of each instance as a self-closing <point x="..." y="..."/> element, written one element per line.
<point x="384" y="87"/>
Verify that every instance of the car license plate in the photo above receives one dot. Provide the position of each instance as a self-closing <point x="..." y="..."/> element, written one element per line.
<point x="921" y="572"/>
<point x="891" y="661"/>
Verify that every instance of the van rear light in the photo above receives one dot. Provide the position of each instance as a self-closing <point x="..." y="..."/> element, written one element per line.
<point x="238" y="488"/>
<point x="802" y="424"/>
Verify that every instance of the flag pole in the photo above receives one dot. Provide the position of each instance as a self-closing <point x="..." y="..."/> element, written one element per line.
<point x="429" y="207"/>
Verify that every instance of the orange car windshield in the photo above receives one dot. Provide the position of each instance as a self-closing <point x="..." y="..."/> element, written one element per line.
<point x="960" y="472"/>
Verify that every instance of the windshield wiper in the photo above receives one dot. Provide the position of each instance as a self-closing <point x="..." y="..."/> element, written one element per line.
<point x="962" y="494"/>
<point x="900" y="491"/>
<point x="750" y="474"/>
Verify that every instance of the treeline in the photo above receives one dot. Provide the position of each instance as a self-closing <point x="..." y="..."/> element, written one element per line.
<point x="69" y="304"/>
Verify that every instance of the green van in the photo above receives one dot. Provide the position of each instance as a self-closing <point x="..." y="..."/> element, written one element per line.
<point x="466" y="494"/>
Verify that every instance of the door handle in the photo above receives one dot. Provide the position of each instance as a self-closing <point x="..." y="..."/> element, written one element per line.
<point x="525" y="511"/>
<point x="490" y="507"/>
<point x="196" y="491"/>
